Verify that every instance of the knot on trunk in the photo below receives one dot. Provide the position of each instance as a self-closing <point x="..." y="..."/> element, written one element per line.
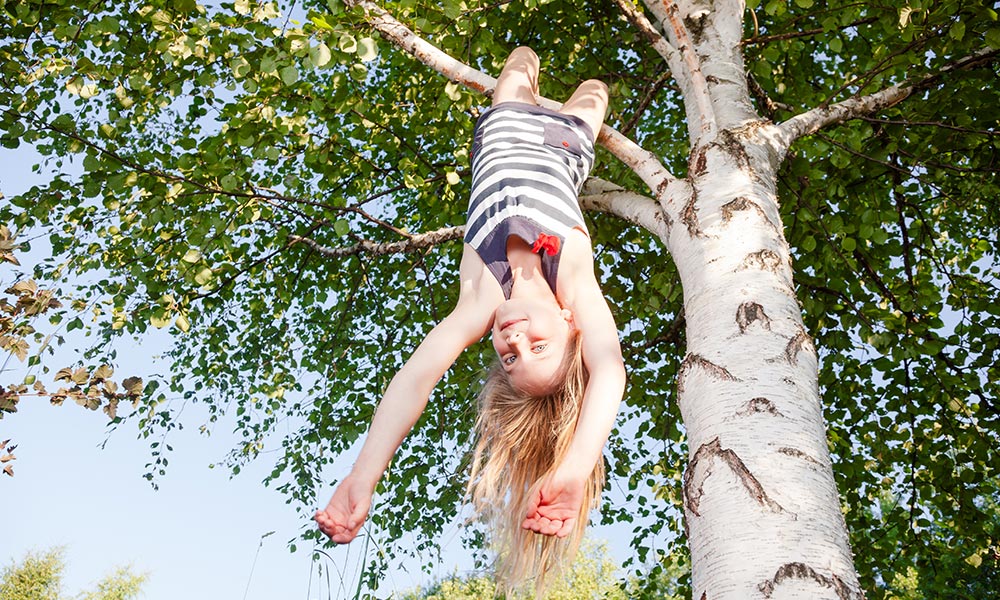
<point x="759" y="405"/>
<point x="692" y="361"/>
<point x="748" y="313"/>
<point x="798" y="570"/>
<point x="765" y="260"/>
<point x="700" y="468"/>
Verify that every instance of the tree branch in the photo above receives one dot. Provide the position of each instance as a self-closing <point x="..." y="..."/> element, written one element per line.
<point x="822" y="116"/>
<point x="645" y="164"/>
<point x="412" y="244"/>
<point x="766" y="39"/>
<point x="649" y="33"/>
<point x="701" y="115"/>
<point x="599" y="195"/>
<point x="604" y="196"/>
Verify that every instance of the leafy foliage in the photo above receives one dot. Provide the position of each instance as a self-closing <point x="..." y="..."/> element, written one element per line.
<point x="592" y="575"/>
<point x="92" y="389"/>
<point x="194" y="148"/>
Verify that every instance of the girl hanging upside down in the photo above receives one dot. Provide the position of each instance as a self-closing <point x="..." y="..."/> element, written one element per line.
<point x="526" y="276"/>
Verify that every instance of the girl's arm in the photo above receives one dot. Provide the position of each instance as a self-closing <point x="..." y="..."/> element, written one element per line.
<point x="602" y="356"/>
<point x="404" y="402"/>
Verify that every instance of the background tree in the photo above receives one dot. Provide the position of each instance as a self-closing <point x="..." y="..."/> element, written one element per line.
<point x="39" y="577"/>
<point x="592" y="575"/>
<point x="282" y="195"/>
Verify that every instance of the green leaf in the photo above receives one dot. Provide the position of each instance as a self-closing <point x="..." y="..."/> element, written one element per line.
<point x="319" y="55"/>
<point x="804" y="3"/>
<point x="289" y="75"/>
<point x="160" y="319"/>
<point x="347" y="43"/>
<point x="204" y="276"/>
<point x="192" y="255"/>
<point x="229" y="182"/>
<point x="957" y="30"/>
<point x="993" y="37"/>
<point x="341" y="227"/>
<point x="368" y="49"/>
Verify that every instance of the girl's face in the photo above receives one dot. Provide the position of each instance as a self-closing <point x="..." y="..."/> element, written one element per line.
<point x="531" y="337"/>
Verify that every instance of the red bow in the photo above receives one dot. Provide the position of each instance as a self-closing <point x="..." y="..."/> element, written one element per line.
<point x="548" y="243"/>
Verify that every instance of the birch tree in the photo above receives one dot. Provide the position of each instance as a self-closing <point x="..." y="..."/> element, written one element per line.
<point x="794" y="214"/>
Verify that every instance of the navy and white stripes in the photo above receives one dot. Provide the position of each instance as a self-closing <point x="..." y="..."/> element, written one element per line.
<point x="530" y="162"/>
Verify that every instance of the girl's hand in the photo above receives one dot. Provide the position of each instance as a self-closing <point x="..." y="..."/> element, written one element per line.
<point x="556" y="505"/>
<point x="343" y="516"/>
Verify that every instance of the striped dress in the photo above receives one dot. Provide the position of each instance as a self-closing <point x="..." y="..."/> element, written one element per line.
<point x="528" y="165"/>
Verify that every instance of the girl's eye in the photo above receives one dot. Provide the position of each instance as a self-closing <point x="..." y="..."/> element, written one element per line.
<point x="539" y="348"/>
<point x="509" y="360"/>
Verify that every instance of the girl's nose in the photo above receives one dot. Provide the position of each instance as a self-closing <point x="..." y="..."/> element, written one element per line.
<point x="513" y="337"/>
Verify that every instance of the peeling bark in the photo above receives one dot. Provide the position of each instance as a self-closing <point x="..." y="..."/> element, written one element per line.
<point x="696" y="474"/>
<point x="804" y="571"/>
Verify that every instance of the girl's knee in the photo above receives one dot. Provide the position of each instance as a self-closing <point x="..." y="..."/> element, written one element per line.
<point x="525" y="52"/>
<point x="595" y="86"/>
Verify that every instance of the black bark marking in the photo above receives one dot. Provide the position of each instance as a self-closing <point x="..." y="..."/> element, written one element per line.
<point x="662" y="187"/>
<point x="799" y="342"/>
<point x="765" y="260"/>
<point x="693" y="483"/>
<point x="748" y="312"/>
<point x="732" y="143"/>
<point x="689" y="216"/>
<point x="759" y="405"/>
<point x="695" y="23"/>
<point x="704" y="596"/>
<point x="694" y="360"/>
<point x="796" y="453"/>
<point x="662" y="217"/>
<point x="699" y="162"/>
<point x="804" y="571"/>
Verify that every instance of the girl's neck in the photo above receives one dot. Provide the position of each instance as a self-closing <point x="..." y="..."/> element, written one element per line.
<point x="526" y="271"/>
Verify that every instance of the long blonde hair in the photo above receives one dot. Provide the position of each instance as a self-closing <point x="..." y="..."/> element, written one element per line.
<point x="519" y="440"/>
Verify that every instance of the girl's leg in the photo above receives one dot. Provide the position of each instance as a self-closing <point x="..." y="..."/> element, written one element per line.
<point x="518" y="82"/>
<point x="589" y="102"/>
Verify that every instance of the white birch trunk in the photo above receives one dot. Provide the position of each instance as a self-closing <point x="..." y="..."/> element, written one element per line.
<point x="761" y="506"/>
